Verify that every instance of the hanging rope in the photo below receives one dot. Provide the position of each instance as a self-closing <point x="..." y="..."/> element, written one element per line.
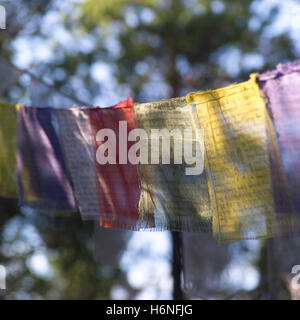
<point x="34" y="77"/>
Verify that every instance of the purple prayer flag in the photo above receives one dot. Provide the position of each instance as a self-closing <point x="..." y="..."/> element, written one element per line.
<point x="282" y="89"/>
<point x="43" y="180"/>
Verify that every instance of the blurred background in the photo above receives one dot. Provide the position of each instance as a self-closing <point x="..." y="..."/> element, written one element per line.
<point x="97" y="52"/>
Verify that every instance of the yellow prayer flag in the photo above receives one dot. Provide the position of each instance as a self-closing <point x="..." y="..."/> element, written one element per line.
<point x="235" y="126"/>
<point x="8" y="150"/>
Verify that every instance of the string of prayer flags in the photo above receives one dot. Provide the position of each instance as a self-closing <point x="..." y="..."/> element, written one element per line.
<point x="42" y="174"/>
<point x="174" y="189"/>
<point x="8" y="150"/>
<point x="281" y="87"/>
<point x="117" y="178"/>
<point x="237" y="161"/>
<point x="224" y="161"/>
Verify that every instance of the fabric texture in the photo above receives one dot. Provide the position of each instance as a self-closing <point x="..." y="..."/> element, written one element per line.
<point x="281" y="87"/>
<point x="175" y="200"/>
<point x="117" y="181"/>
<point x="109" y="245"/>
<point x="42" y="174"/>
<point x="204" y="262"/>
<point x="75" y="136"/>
<point x="8" y="150"/>
<point x="238" y="139"/>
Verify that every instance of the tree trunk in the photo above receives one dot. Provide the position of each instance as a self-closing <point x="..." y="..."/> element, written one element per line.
<point x="177" y="259"/>
<point x="174" y="80"/>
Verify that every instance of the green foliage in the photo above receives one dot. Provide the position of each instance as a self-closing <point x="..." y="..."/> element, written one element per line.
<point x="159" y="37"/>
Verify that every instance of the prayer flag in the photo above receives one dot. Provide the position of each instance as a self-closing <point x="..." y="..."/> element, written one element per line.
<point x="42" y="174"/>
<point x="8" y="150"/>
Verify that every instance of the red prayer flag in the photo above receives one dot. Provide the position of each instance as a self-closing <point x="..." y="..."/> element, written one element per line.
<point x="117" y="183"/>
